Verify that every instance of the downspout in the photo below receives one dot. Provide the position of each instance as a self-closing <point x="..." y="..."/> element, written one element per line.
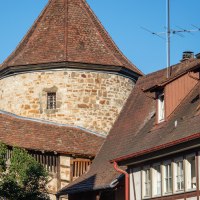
<point x="126" y="180"/>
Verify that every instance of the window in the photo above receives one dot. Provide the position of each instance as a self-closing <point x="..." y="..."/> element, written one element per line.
<point x="147" y="183"/>
<point x="190" y="175"/>
<point x="51" y="100"/>
<point x="156" y="180"/>
<point x="161" y="107"/>
<point x="168" y="178"/>
<point x="179" y="176"/>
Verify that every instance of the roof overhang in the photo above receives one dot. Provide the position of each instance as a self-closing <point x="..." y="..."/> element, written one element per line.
<point x="183" y="144"/>
<point x="195" y="68"/>
<point x="13" y="70"/>
<point x="106" y="187"/>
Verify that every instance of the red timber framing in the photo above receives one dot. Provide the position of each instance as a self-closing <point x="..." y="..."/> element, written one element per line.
<point x="197" y="172"/>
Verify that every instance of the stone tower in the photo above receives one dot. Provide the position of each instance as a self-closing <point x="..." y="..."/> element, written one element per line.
<point x="67" y="70"/>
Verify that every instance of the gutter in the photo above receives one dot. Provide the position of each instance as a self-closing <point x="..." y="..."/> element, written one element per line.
<point x="156" y="148"/>
<point x="126" y="180"/>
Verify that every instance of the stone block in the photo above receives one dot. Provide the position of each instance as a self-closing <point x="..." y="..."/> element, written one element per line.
<point x="77" y="99"/>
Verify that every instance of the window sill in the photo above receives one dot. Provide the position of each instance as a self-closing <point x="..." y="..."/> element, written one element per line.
<point x="146" y="197"/>
<point x="179" y="192"/>
<point x="156" y="196"/>
<point x="167" y="194"/>
<point x="170" y="194"/>
<point x="50" y="111"/>
<point x="191" y="190"/>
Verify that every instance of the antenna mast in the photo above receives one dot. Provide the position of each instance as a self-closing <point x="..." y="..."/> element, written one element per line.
<point x="168" y="34"/>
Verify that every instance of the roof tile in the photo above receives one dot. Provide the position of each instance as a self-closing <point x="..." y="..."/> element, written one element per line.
<point x="135" y="130"/>
<point x="68" y="30"/>
<point x="48" y="137"/>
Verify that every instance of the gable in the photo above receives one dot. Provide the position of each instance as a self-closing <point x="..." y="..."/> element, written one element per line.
<point x="177" y="90"/>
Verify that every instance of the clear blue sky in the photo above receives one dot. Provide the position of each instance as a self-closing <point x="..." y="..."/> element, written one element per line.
<point x="122" y="19"/>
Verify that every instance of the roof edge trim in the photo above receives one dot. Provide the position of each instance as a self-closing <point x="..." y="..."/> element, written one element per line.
<point x="69" y="65"/>
<point x="156" y="148"/>
<point x="50" y="123"/>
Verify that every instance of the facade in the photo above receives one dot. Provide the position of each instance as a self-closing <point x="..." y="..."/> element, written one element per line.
<point x="62" y="89"/>
<point x="158" y="155"/>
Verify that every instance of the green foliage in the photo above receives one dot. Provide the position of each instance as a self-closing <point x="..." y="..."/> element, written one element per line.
<point x="24" y="179"/>
<point x="3" y="150"/>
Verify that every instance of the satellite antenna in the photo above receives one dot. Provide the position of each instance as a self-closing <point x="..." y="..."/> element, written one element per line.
<point x="168" y="34"/>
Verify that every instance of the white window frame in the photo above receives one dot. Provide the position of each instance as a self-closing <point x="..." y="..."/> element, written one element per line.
<point x="188" y="173"/>
<point x="155" y="181"/>
<point x="178" y="175"/>
<point x="144" y="195"/>
<point x="161" y="107"/>
<point x="169" y="178"/>
<point x="185" y="177"/>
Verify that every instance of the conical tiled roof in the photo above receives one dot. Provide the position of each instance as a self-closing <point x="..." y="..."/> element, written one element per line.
<point x="68" y="30"/>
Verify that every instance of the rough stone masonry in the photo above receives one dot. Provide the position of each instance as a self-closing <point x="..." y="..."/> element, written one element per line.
<point x="91" y="100"/>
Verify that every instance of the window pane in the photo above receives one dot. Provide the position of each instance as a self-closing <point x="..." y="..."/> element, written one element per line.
<point x="161" y="107"/>
<point x="147" y="183"/>
<point x="193" y="173"/>
<point x="190" y="173"/>
<point x="179" y="176"/>
<point x="156" y="186"/>
<point x="51" y="100"/>
<point x="168" y="178"/>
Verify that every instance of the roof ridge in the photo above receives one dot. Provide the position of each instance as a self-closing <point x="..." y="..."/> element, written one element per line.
<point x="97" y="22"/>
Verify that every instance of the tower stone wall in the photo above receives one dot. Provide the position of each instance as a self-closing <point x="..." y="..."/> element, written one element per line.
<point x="89" y="99"/>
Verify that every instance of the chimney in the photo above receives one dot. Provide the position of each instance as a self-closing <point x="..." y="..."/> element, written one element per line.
<point x="198" y="56"/>
<point x="187" y="55"/>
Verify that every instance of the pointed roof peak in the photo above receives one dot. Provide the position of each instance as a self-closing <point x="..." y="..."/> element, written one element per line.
<point x="68" y="30"/>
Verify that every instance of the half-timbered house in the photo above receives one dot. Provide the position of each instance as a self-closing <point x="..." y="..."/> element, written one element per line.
<point x="155" y="143"/>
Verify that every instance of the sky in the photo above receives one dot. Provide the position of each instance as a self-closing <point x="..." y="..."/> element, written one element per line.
<point x="123" y="20"/>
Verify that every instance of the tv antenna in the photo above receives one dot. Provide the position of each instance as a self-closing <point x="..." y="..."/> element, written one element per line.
<point x="168" y="34"/>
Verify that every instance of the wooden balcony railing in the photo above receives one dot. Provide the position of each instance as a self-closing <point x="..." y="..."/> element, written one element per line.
<point x="80" y="166"/>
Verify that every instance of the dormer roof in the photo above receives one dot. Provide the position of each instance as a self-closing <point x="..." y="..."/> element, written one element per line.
<point x="68" y="31"/>
<point x="177" y="71"/>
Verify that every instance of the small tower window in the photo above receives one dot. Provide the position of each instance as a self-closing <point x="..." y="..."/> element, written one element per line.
<point x="51" y="100"/>
<point x="161" y="107"/>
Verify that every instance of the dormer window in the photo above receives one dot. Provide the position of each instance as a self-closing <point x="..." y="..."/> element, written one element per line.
<point x="161" y="107"/>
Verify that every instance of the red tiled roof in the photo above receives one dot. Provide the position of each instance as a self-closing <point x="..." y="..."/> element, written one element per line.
<point x="136" y="131"/>
<point x="68" y="30"/>
<point x="48" y="137"/>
